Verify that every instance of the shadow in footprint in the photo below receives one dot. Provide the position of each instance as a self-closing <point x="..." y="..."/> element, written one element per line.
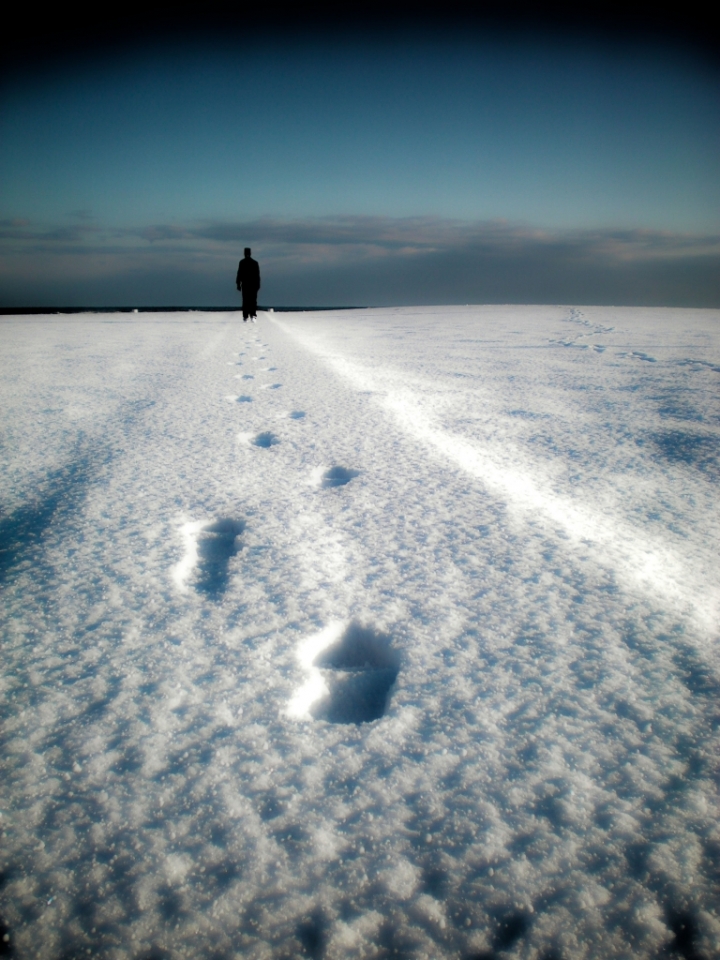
<point x="684" y="943"/>
<point x="312" y="936"/>
<point x="244" y="399"/>
<point x="511" y="928"/>
<point x="297" y="414"/>
<point x="338" y="476"/>
<point x="6" y="949"/>
<point x="266" y="439"/>
<point x="359" y="671"/>
<point x="217" y="543"/>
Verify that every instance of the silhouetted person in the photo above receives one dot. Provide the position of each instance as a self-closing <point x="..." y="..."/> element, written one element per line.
<point x="248" y="282"/>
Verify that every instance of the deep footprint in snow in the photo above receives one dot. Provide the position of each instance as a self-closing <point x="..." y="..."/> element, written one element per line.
<point x="359" y="671"/>
<point x="338" y="476"/>
<point x="216" y="544"/>
<point x="297" y="415"/>
<point x="266" y="439"/>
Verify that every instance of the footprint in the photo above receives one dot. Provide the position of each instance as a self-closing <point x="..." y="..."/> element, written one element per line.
<point x="216" y="544"/>
<point x="266" y="439"/>
<point x="297" y="415"/>
<point x="245" y="376"/>
<point x="338" y="476"/>
<point x="358" y="671"/>
<point x="244" y="399"/>
<point x="698" y="364"/>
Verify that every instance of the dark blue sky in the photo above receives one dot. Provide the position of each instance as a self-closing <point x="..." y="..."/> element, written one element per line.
<point x="401" y="166"/>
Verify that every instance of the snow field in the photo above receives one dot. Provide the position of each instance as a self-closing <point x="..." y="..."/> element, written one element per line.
<point x="375" y="633"/>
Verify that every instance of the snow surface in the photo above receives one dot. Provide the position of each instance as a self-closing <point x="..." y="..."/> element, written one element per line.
<point x="379" y="633"/>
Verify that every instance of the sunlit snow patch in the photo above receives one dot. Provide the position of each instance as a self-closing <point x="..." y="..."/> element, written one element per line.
<point x="181" y="571"/>
<point x="652" y="564"/>
<point x="314" y="687"/>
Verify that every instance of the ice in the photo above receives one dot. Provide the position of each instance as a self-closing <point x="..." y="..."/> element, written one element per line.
<point x="411" y="650"/>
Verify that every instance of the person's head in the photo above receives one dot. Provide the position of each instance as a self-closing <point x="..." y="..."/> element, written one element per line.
<point x="247" y="251"/>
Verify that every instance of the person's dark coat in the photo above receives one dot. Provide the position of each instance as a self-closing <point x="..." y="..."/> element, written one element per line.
<point x="248" y="276"/>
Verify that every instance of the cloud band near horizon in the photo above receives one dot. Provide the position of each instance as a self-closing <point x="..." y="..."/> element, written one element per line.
<point x="353" y="260"/>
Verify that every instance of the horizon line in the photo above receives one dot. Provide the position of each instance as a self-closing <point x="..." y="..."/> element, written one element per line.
<point x="30" y="311"/>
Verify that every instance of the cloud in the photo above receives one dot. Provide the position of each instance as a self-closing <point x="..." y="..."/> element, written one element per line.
<point x="22" y="232"/>
<point x="363" y="260"/>
<point x="425" y="233"/>
<point x="162" y="231"/>
<point x="383" y="232"/>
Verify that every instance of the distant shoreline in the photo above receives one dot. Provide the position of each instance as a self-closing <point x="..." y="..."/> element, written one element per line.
<point x="29" y="311"/>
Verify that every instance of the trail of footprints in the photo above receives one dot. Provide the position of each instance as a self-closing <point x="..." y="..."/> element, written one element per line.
<point x="593" y="329"/>
<point x="358" y="671"/>
<point x="335" y="476"/>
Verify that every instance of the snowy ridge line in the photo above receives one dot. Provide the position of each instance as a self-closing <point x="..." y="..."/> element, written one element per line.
<point x="652" y="566"/>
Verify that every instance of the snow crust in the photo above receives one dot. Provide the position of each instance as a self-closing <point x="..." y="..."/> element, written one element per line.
<point x="380" y="633"/>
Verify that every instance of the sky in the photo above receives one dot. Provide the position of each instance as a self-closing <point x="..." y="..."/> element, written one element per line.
<point x="411" y="164"/>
